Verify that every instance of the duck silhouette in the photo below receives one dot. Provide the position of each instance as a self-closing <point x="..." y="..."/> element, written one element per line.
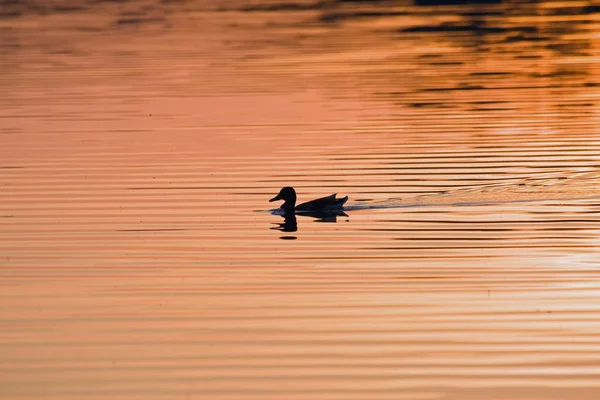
<point x="324" y="205"/>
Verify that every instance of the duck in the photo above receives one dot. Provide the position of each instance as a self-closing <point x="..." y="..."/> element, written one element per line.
<point x="327" y="204"/>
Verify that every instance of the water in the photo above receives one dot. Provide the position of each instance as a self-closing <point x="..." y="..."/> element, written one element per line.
<point x="140" y="143"/>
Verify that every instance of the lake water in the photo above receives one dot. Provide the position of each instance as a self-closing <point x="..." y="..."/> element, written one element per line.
<point x="140" y="142"/>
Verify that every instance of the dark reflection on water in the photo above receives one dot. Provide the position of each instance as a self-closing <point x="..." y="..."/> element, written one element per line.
<point x="290" y="223"/>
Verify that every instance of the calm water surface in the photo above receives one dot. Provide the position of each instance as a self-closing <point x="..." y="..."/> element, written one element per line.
<point x="140" y="142"/>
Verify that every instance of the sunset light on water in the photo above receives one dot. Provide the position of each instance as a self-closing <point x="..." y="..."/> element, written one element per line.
<point x="141" y="142"/>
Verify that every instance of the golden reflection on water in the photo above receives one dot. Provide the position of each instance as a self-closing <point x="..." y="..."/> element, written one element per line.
<point x="140" y="143"/>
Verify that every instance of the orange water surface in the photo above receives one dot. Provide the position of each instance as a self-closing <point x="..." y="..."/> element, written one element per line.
<point x="141" y="140"/>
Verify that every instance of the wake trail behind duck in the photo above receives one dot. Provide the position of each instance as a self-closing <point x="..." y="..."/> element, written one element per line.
<point x="561" y="185"/>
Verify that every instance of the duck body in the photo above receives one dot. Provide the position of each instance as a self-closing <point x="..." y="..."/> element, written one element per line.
<point x="327" y="204"/>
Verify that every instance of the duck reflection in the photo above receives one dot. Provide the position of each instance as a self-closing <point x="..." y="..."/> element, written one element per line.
<point x="290" y="223"/>
<point x="330" y="216"/>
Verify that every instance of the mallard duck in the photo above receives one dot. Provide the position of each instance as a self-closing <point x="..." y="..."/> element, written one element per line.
<point x="328" y="204"/>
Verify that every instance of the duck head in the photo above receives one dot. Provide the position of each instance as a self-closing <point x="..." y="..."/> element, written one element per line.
<point x="288" y="195"/>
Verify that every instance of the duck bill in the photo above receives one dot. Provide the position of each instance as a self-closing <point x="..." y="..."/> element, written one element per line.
<point x="278" y="197"/>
